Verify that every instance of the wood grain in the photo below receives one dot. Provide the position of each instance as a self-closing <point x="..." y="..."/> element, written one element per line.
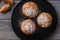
<point x="9" y="13"/>
<point x="56" y="5"/>
<point x="6" y="31"/>
<point x="47" y="0"/>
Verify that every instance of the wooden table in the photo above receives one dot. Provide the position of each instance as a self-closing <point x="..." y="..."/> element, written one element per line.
<point x="6" y="31"/>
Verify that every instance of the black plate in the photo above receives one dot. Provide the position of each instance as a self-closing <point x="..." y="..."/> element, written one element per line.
<point x="41" y="33"/>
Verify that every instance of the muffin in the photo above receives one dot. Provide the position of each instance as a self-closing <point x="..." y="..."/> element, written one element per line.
<point x="4" y="8"/>
<point x="30" y="9"/>
<point x="28" y="27"/>
<point x="44" y="20"/>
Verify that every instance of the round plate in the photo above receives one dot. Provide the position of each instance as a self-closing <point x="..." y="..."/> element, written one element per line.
<point x="40" y="33"/>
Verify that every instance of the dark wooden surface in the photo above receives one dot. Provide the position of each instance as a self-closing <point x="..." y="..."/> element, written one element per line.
<point x="6" y="31"/>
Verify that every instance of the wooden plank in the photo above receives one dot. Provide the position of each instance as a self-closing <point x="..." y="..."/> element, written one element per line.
<point x="48" y="0"/>
<point x="56" y="5"/>
<point x="7" y="33"/>
<point x="8" y="14"/>
<point x="53" y="0"/>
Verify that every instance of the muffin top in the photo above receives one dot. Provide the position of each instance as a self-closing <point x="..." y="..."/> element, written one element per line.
<point x="28" y="26"/>
<point x="30" y="9"/>
<point x="44" y="19"/>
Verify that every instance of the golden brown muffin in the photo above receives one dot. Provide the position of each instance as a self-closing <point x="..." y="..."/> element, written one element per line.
<point x="8" y="1"/>
<point x="44" y="20"/>
<point x="4" y="8"/>
<point x="28" y="27"/>
<point x="30" y="9"/>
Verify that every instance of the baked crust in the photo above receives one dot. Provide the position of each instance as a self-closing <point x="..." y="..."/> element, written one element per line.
<point x="28" y="27"/>
<point x="44" y="19"/>
<point x="30" y="9"/>
<point x="4" y="8"/>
